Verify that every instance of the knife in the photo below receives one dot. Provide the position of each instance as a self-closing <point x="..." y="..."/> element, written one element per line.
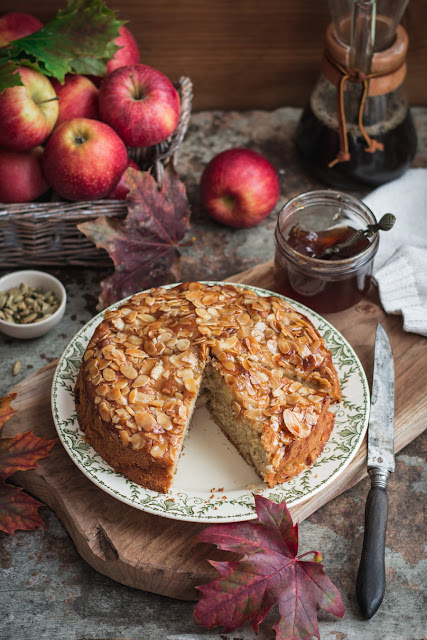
<point x="370" y="584"/>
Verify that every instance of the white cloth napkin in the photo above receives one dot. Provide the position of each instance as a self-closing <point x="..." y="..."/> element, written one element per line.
<point x="400" y="266"/>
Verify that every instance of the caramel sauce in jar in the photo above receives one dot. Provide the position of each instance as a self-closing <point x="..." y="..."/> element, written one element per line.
<point x="306" y="227"/>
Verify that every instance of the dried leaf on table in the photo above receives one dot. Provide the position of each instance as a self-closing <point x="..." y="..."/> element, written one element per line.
<point x="22" y="452"/>
<point x="269" y="573"/>
<point x="17" y="509"/>
<point x="143" y="246"/>
<point x="6" y="410"/>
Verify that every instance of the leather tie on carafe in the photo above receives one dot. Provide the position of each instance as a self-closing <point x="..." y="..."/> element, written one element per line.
<point x="388" y="71"/>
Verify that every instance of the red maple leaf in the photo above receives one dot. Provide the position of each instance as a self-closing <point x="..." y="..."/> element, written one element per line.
<point x="17" y="509"/>
<point x="268" y="573"/>
<point x="143" y="246"/>
<point x="6" y="410"/>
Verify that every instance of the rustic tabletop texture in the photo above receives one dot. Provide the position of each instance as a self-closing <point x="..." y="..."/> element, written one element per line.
<point x="48" y="591"/>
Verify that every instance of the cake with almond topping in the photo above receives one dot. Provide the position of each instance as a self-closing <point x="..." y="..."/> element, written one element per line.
<point x="266" y="370"/>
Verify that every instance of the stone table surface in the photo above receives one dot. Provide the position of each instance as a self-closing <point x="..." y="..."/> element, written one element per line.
<point x="48" y="591"/>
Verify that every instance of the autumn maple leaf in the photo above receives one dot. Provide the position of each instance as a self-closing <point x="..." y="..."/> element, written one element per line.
<point x="268" y="573"/>
<point x="79" y="39"/>
<point x="18" y="510"/>
<point x="143" y="246"/>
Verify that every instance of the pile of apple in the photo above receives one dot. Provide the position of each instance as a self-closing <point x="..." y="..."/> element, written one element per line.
<point x="73" y="137"/>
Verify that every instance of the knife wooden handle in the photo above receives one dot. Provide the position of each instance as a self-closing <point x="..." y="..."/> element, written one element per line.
<point x="370" y="584"/>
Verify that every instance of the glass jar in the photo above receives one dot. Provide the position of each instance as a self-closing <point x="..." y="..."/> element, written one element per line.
<point x="312" y="221"/>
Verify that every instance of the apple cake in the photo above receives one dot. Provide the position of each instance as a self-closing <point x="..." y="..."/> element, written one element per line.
<point x="267" y="373"/>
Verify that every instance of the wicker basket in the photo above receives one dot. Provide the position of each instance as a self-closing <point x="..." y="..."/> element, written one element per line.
<point x="45" y="233"/>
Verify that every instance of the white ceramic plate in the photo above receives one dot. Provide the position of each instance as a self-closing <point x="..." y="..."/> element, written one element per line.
<point x="213" y="482"/>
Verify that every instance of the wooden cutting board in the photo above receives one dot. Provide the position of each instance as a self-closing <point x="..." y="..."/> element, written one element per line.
<point x="157" y="554"/>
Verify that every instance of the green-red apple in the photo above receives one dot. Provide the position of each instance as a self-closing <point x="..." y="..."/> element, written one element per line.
<point x="78" y="98"/>
<point x="128" y="52"/>
<point x="239" y="188"/>
<point x="15" y="25"/>
<point x="140" y="103"/>
<point x="21" y="177"/>
<point x="27" y="113"/>
<point x="84" y="159"/>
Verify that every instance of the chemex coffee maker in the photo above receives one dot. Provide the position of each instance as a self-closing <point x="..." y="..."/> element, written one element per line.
<point x="357" y="127"/>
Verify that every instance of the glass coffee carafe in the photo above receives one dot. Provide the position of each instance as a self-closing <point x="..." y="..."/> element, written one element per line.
<point x="357" y="128"/>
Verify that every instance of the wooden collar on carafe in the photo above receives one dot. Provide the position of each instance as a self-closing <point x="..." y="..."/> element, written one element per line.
<point x="388" y="70"/>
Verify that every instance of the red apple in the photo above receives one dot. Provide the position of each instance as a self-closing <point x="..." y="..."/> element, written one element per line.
<point x="127" y="54"/>
<point x="78" y="98"/>
<point x="21" y="177"/>
<point x="27" y="113"/>
<point x="239" y="188"/>
<point x="140" y="103"/>
<point x="120" y="191"/>
<point x="14" y="25"/>
<point x="84" y="159"/>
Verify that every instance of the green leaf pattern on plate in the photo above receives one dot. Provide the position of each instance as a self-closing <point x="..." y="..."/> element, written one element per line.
<point x="350" y="427"/>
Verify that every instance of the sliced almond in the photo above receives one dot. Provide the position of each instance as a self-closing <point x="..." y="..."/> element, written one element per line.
<point x="157" y="450"/>
<point x="104" y="412"/>
<point x="283" y="345"/>
<point x="102" y="390"/>
<point x="295" y="425"/>
<point x="164" y="421"/>
<point x="138" y="441"/>
<point x="140" y="381"/>
<point x="114" y="394"/>
<point x="109" y="374"/>
<point x="144" y="420"/>
<point x="191" y="385"/>
<point x="124" y="437"/>
<point x="128" y="371"/>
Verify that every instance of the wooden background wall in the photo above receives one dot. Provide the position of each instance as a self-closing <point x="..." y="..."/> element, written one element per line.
<point x="242" y="54"/>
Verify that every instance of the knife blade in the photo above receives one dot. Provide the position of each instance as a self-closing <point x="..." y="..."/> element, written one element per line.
<point x="370" y="584"/>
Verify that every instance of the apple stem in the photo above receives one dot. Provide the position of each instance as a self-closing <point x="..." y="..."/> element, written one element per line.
<point x="49" y="100"/>
<point x="137" y="95"/>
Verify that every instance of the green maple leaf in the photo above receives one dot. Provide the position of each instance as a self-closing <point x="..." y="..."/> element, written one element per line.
<point x="80" y="39"/>
<point x="9" y="76"/>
